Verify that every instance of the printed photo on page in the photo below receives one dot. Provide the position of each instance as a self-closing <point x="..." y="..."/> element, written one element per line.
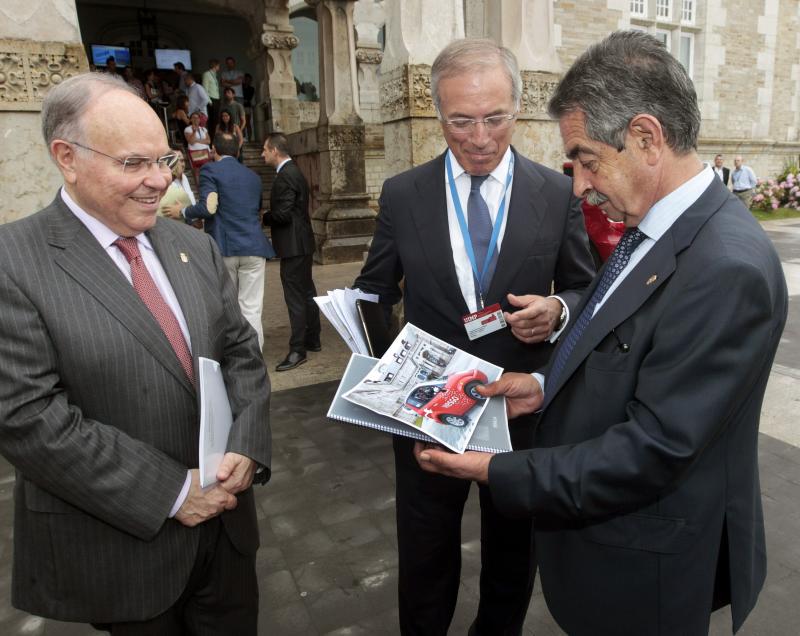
<point x="429" y="385"/>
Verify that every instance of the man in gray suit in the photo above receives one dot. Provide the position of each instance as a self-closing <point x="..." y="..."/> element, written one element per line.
<point x="106" y="309"/>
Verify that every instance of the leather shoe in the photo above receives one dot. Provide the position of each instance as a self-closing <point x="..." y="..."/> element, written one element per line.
<point x="294" y="359"/>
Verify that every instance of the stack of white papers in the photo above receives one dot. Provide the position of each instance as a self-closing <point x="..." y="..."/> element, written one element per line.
<point x="339" y="307"/>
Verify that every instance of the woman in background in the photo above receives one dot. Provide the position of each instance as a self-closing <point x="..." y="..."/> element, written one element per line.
<point x="199" y="145"/>
<point x="226" y="125"/>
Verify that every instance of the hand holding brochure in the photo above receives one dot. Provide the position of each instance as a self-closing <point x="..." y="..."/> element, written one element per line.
<point x="216" y="419"/>
<point x="428" y="385"/>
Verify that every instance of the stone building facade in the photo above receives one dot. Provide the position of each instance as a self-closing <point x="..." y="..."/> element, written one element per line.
<point x="375" y="117"/>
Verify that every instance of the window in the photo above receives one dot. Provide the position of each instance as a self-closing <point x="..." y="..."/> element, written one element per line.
<point x="687" y="12"/>
<point x="638" y="8"/>
<point x="663" y="9"/>
<point x="686" y="52"/>
<point x="665" y="37"/>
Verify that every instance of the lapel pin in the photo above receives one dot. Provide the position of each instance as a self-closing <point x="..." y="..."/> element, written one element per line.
<point x="185" y="258"/>
<point x="652" y="279"/>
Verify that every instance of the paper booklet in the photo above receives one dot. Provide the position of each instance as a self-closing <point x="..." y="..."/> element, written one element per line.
<point x="429" y="387"/>
<point x="216" y="419"/>
<point x="339" y="307"/>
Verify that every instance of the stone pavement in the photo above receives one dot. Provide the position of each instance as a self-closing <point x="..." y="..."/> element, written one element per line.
<point x="328" y="561"/>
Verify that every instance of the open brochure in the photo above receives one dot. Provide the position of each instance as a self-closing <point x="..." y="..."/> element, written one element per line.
<point x="429" y="386"/>
<point x="490" y="434"/>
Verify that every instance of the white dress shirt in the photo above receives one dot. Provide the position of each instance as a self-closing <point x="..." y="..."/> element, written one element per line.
<point x="106" y="238"/>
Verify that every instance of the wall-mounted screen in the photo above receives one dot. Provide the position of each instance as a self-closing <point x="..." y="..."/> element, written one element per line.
<point x="101" y="53"/>
<point x="165" y="58"/>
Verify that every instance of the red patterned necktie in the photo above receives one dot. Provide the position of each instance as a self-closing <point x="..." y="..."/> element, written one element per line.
<point x="146" y="287"/>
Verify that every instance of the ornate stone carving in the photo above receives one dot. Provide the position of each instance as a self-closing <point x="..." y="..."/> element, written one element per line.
<point x="537" y="88"/>
<point x="369" y="56"/>
<point x="28" y="69"/>
<point x="406" y="92"/>
<point x="344" y="137"/>
<point x="273" y="40"/>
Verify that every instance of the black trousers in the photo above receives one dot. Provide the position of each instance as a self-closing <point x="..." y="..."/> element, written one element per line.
<point x="429" y="511"/>
<point x="299" y="292"/>
<point x="221" y="595"/>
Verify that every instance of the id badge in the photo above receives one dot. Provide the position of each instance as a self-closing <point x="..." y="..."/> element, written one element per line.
<point x="483" y="322"/>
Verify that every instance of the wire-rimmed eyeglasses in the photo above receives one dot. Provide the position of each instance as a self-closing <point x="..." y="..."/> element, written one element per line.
<point x="464" y="126"/>
<point x="134" y="164"/>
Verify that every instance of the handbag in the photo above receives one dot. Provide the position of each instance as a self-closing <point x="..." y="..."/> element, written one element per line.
<point x="199" y="157"/>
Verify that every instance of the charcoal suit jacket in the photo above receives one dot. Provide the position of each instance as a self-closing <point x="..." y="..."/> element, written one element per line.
<point x="643" y="480"/>
<point x="288" y="215"/>
<point x="101" y="422"/>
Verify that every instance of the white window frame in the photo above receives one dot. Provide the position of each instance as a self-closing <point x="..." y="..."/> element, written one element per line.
<point x="638" y="8"/>
<point x="690" y="65"/>
<point x="667" y="38"/>
<point x="663" y="10"/>
<point x="688" y="11"/>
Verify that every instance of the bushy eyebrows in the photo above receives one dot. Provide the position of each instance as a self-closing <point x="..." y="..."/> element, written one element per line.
<point x="574" y="151"/>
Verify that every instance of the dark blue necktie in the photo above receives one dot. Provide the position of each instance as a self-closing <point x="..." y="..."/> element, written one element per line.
<point x="480" y="233"/>
<point x="616" y="263"/>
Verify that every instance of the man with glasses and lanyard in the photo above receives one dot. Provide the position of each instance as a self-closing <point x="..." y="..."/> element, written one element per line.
<point x="480" y="230"/>
<point x="106" y="308"/>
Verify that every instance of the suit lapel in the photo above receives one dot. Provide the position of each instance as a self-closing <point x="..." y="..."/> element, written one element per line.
<point x="79" y="254"/>
<point x="648" y="275"/>
<point x="430" y="218"/>
<point x="524" y="217"/>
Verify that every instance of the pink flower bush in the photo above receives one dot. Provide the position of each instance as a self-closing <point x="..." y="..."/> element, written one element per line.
<point x="781" y="192"/>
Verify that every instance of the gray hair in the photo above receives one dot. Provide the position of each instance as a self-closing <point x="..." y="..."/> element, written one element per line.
<point x="471" y="55"/>
<point x="65" y="104"/>
<point x="630" y="73"/>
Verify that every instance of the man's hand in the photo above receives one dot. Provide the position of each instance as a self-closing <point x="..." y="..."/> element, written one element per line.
<point x="201" y="505"/>
<point x="236" y="472"/>
<point x="522" y="391"/>
<point x="537" y="318"/>
<point x="435" y="459"/>
<point x="174" y="211"/>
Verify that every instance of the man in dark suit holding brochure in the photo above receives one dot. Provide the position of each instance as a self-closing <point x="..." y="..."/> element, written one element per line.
<point x="643" y="481"/>
<point x="479" y="229"/>
<point x="106" y="309"/>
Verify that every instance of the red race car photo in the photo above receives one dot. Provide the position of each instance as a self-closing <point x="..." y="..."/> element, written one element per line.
<point x="448" y="399"/>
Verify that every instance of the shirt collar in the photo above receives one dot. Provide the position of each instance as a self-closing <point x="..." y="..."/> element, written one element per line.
<point x="667" y="210"/>
<point x="499" y="173"/>
<point x="283" y="163"/>
<point x="104" y="235"/>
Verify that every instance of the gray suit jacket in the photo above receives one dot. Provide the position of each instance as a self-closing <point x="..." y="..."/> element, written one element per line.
<point x="643" y="479"/>
<point x="100" y="421"/>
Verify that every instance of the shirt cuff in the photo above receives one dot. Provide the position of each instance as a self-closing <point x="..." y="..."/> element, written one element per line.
<point x="539" y="377"/>
<point x="182" y="496"/>
<point x="557" y="334"/>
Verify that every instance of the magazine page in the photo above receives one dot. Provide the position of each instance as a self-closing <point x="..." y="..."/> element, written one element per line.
<point x="429" y="385"/>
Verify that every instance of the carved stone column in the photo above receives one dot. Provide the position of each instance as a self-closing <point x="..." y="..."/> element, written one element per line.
<point x="279" y="39"/>
<point x="40" y="47"/>
<point x="526" y="27"/>
<point x="369" y="17"/>
<point x="416" y="31"/>
<point x="343" y="223"/>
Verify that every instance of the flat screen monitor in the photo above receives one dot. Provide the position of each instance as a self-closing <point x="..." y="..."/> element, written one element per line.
<point x="165" y="58"/>
<point x="101" y="53"/>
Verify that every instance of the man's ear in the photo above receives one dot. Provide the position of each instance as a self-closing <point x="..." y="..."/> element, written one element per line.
<point x="648" y="136"/>
<point x="63" y="154"/>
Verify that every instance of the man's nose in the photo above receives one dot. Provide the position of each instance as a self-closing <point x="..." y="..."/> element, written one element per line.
<point x="479" y="135"/>
<point x="581" y="186"/>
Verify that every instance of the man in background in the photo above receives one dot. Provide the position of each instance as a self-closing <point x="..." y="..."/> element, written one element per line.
<point x="721" y="171"/>
<point x="643" y="478"/>
<point x="180" y="71"/>
<point x="744" y="181"/>
<point x="230" y="206"/>
<point x="428" y="216"/>
<point x="233" y="107"/>
<point x="211" y="87"/>
<point x="293" y="239"/>
<point x="232" y="77"/>
<point x="106" y="310"/>
<point x="198" y="98"/>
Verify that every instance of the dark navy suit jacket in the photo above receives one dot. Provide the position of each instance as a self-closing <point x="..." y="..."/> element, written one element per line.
<point x="236" y="224"/>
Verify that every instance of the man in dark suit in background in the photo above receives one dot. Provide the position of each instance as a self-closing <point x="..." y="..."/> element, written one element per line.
<point x="643" y="481"/>
<point x="230" y="206"/>
<point x="293" y="239"/>
<point x="721" y="171"/>
<point x="431" y="219"/>
<point x="106" y="308"/>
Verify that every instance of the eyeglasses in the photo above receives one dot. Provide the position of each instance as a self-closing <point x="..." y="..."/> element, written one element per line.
<point x="138" y="165"/>
<point x="493" y="123"/>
